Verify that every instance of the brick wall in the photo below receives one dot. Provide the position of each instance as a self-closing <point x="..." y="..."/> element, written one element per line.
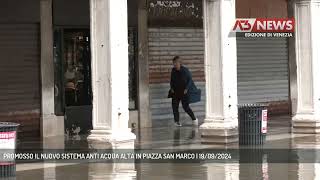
<point x="28" y="120"/>
<point x="261" y="8"/>
<point x="279" y="108"/>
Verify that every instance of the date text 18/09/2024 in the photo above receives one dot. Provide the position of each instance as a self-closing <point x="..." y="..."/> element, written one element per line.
<point x="120" y="156"/>
<point x="184" y="156"/>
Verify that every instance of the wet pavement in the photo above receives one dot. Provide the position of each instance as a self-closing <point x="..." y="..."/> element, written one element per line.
<point x="176" y="171"/>
<point x="209" y="171"/>
<point x="187" y="137"/>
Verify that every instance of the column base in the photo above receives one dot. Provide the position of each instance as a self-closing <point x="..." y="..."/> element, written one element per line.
<point x="306" y="124"/>
<point x="219" y="132"/>
<point x="133" y="119"/>
<point x="306" y="142"/>
<point x="107" y="139"/>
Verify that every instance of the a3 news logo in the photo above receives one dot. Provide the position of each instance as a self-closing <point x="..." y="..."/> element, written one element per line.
<point x="264" y="27"/>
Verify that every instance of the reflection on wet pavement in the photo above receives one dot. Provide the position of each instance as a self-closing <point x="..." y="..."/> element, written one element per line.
<point x="279" y="137"/>
<point x="210" y="171"/>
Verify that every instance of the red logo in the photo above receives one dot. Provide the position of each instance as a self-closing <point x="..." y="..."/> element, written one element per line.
<point x="243" y="25"/>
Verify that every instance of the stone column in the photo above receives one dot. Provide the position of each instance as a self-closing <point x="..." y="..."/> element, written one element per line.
<point x="51" y="125"/>
<point x="109" y="51"/>
<point x="143" y="66"/>
<point x="306" y="67"/>
<point x="221" y="123"/>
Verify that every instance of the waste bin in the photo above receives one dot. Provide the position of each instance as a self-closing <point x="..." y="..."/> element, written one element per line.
<point x="252" y="124"/>
<point x="8" y="136"/>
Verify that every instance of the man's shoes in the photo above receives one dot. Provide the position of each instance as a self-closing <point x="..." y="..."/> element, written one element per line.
<point x="195" y="122"/>
<point x="177" y="124"/>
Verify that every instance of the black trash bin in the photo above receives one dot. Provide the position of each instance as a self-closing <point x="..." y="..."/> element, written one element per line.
<point x="8" y="139"/>
<point x="252" y="124"/>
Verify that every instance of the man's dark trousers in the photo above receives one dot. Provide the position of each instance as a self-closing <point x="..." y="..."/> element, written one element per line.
<point x="185" y="105"/>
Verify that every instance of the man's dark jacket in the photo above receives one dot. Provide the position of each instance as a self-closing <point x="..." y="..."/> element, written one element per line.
<point x="193" y="93"/>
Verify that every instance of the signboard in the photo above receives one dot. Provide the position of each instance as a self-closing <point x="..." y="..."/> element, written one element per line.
<point x="8" y="140"/>
<point x="184" y="13"/>
<point x="264" y="27"/>
<point x="264" y="121"/>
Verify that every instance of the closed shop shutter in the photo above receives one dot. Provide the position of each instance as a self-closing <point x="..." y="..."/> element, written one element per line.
<point x="262" y="70"/>
<point x="164" y="44"/>
<point x="20" y="76"/>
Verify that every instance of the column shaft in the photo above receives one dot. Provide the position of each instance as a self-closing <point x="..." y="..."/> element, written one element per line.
<point x="109" y="49"/>
<point x="51" y="125"/>
<point x="221" y="73"/>
<point x="143" y="66"/>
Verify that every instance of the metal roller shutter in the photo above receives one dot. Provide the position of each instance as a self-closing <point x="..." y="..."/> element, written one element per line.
<point x="164" y="44"/>
<point x="20" y="76"/>
<point x="262" y="70"/>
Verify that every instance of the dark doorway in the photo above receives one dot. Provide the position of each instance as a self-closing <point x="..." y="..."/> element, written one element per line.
<point x="73" y="92"/>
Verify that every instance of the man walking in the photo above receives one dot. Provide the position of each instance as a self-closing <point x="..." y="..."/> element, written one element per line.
<point x="182" y="88"/>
